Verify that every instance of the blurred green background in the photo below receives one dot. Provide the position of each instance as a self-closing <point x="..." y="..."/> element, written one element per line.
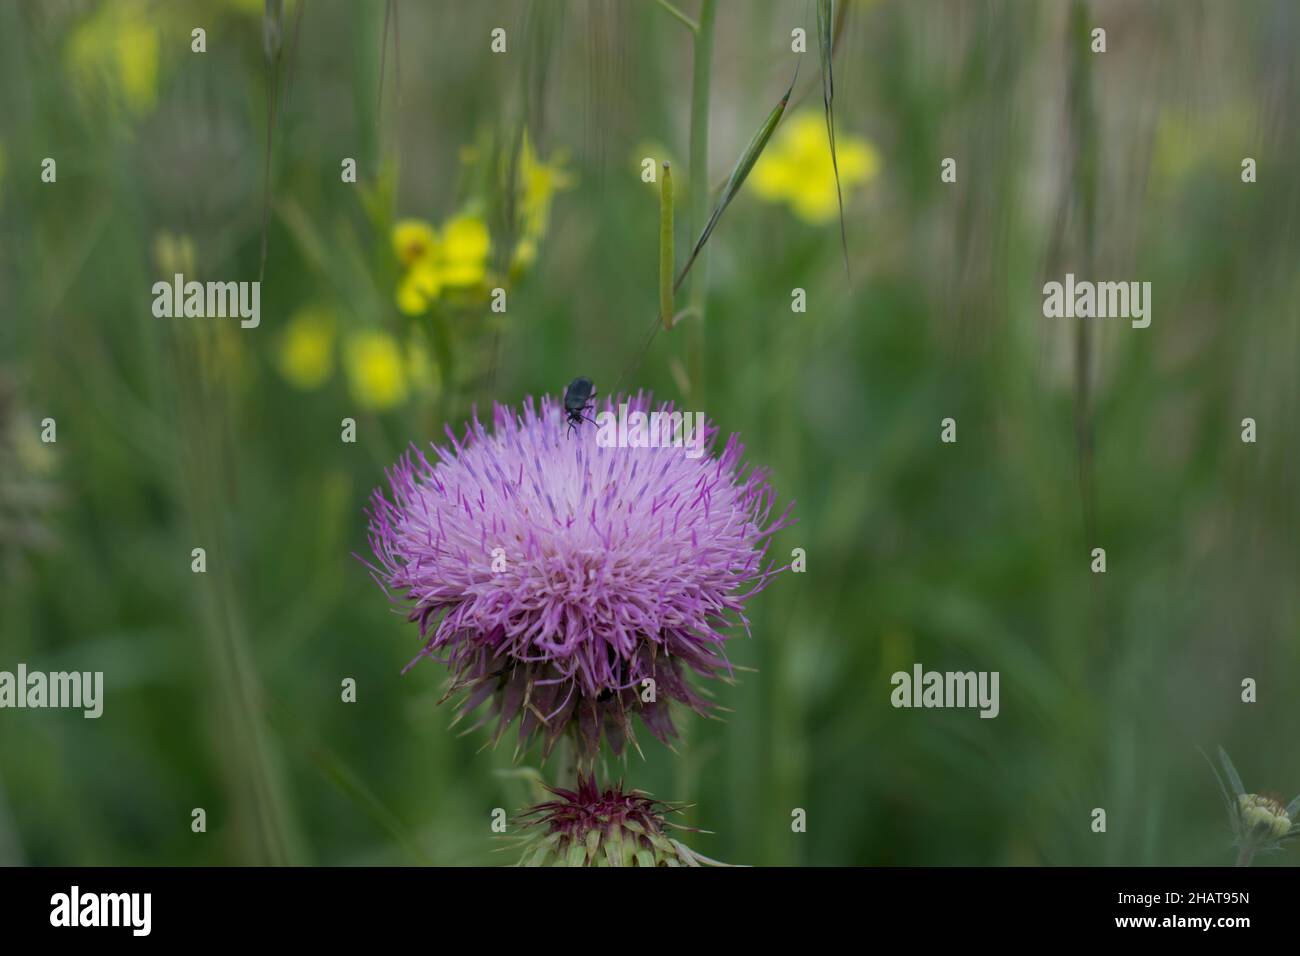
<point x="223" y="689"/>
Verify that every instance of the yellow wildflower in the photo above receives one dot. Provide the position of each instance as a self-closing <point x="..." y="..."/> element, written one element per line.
<point x="306" y="355"/>
<point x="457" y="259"/>
<point x="414" y="240"/>
<point x="117" y="48"/>
<point x="376" y="373"/>
<point x="797" y="168"/>
<point x="538" y="183"/>
<point x="453" y="261"/>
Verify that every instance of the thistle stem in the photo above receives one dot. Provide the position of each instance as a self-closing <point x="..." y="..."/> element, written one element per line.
<point x="666" y="247"/>
<point x="701" y="80"/>
<point x="569" y="765"/>
<point x="698" y="175"/>
<point x="1245" y="855"/>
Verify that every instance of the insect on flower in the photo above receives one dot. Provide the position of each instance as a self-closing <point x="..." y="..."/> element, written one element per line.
<point x="579" y="397"/>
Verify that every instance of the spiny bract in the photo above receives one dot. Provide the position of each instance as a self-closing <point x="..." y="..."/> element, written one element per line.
<point x="586" y="827"/>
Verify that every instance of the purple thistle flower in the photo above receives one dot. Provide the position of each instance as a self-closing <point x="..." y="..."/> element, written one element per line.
<point x="554" y="576"/>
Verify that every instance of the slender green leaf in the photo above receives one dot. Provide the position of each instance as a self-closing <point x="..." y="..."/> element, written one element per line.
<point x="1228" y="803"/>
<point x="729" y="191"/>
<point x="825" y="47"/>
<point x="737" y="178"/>
<point x="383" y="55"/>
<point x="272" y="28"/>
<point x="272" y="38"/>
<point x="1230" y="771"/>
<point x="680" y="17"/>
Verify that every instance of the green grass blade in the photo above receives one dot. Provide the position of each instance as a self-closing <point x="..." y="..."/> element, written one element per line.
<point x="272" y="38"/>
<point x="1228" y="804"/>
<point x="737" y="178"/>
<point x="666" y="247"/>
<point x="825" y="47"/>
<point x="680" y="17"/>
<point x="1230" y="772"/>
<point x="355" y="789"/>
<point x="383" y="56"/>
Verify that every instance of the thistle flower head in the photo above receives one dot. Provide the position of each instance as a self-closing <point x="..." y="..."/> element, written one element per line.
<point x="1259" y="821"/>
<point x="588" y="827"/>
<point x="568" y="583"/>
<point x="1263" y="816"/>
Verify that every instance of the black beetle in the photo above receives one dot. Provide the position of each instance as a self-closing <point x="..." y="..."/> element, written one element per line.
<point x="578" y="398"/>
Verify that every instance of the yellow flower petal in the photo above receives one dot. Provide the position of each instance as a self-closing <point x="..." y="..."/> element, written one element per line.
<point x="418" y="288"/>
<point x="465" y="250"/>
<point x="859" y="161"/>
<point x="465" y="238"/>
<point x="806" y="135"/>
<point x="137" y="64"/>
<point x="306" y="354"/>
<point x="816" y="204"/>
<point x="797" y="167"/>
<point x="376" y="372"/>
<point x="463" y="275"/>
<point x="525" y="253"/>
<point x="773" y="180"/>
<point x="116" y="49"/>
